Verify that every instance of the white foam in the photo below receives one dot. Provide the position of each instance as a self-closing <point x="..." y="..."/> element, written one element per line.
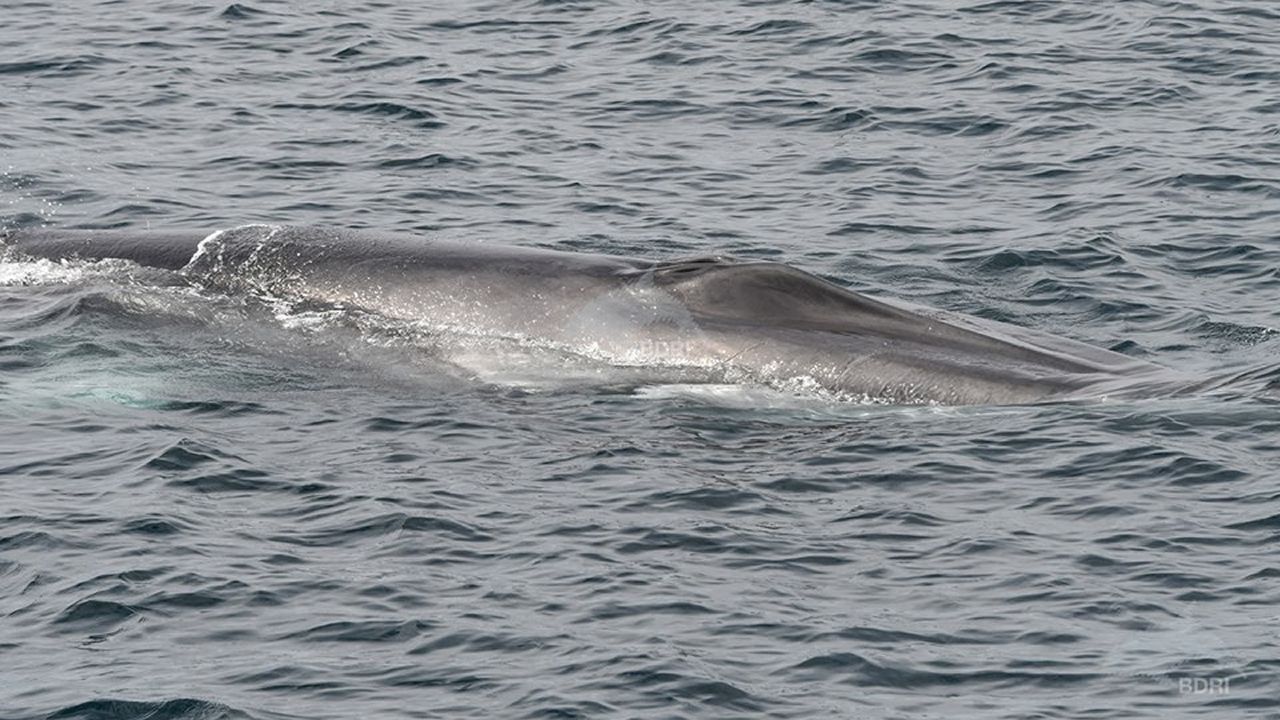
<point x="21" y="272"/>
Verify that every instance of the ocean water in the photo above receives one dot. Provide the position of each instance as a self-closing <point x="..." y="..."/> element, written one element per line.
<point x="227" y="506"/>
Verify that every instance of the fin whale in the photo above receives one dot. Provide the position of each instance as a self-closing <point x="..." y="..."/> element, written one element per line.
<point x="756" y="320"/>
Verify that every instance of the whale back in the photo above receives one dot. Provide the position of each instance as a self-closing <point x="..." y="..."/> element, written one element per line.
<point x="167" y="250"/>
<point x="769" y="320"/>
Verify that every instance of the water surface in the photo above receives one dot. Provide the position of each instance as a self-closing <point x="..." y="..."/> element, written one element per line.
<point x="228" y="506"/>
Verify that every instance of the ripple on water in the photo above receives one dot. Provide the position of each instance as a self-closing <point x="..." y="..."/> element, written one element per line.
<point x="174" y="709"/>
<point x="211" y="511"/>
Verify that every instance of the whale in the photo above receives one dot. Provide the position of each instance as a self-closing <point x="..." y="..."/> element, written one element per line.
<point x="749" y="320"/>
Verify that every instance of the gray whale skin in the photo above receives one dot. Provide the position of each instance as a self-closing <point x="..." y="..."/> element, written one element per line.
<point x="757" y="321"/>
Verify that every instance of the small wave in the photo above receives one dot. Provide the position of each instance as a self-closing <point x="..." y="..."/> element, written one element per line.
<point x="368" y="631"/>
<point x="96" y="615"/>
<point x="61" y="66"/>
<point x="241" y="11"/>
<point x="868" y="672"/>
<point x="419" y="117"/>
<point x="174" y="709"/>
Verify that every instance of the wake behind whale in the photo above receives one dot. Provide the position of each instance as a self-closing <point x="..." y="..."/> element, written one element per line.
<point x="748" y="321"/>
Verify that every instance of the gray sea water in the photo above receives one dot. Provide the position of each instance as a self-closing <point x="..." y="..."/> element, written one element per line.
<point x="215" y="506"/>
